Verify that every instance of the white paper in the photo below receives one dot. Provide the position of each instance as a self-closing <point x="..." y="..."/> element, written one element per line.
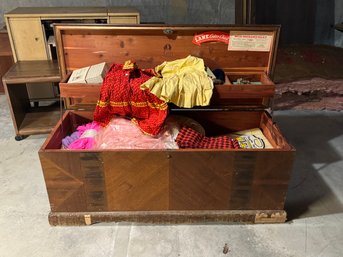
<point x="250" y="41"/>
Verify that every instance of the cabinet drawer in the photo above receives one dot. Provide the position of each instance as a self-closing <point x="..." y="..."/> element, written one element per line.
<point x="28" y="39"/>
<point x="123" y="20"/>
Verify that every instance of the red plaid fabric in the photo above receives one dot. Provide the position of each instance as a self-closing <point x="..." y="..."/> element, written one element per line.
<point x="120" y="94"/>
<point x="189" y="138"/>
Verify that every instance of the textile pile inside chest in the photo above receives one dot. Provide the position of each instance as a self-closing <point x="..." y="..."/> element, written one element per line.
<point x="143" y="94"/>
<point x="132" y="110"/>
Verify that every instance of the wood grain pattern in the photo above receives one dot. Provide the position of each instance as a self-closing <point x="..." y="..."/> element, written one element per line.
<point x="176" y="186"/>
<point x="121" y="10"/>
<point x="244" y="167"/>
<point x="84" y="95"/>
<point x="151" y="50"/>
<point x="40" y="122"/>
<point x="168" y="217"/>
<point x="81" y="94"/>
<point x="272" y="170"/>
<point x="137" y="180"/>
<point x="74" y="181"/>
<point x="33" y="71"/>
<point x="150" y="46"/>
<point x="64" y="127"/>
<point x="94" y="181"/>
<point x="5" y="46"/>
<point x="17" y="99"/>
<point x="273" y="133"/>
<point x="57" y="11"/>
<point x="243" y="91"/>
<point x="123" y="20"/>
<point x="79" y="46"/>
<point x="28" y="120"/>
<point x="200" y="180"/>
<point x="5" y="63"/>
<point x="28" y="39"/>
<point x="72" y="11"/>
<point x="252" y="76"/>
<point x="64" y="181"/>
<point x="185" y="180"/>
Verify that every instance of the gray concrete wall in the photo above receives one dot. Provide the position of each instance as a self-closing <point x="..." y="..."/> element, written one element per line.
<point x="324" y="20"/>
<point x="338" y="19"/>
<point x="165" y="11"/>
<point x="328" y="13"/>
<point x="305" y="21"/>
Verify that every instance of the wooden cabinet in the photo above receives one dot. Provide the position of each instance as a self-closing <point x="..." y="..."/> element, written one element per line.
<point x="6" y="59"/>
<point x="33" y="77"/>
<point x="27" y="25"/>
<point x="28" y="119"/>
<point x="123" y="15"/>
<point x="28" y="39"/>
<point x="29" y="30"/>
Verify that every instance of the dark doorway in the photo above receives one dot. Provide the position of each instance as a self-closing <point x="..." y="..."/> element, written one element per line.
<point x="306" y="21"/>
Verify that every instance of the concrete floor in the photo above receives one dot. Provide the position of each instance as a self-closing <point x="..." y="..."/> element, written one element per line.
<point x="314" y="204"/>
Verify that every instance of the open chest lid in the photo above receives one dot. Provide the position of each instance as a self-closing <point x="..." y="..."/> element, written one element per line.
<point x="228" y="47"/>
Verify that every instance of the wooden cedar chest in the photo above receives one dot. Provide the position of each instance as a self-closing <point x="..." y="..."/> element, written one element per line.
<point x="170" y="186"/>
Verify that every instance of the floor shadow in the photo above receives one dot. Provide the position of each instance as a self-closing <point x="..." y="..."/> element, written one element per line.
<point x="305" y="61"/>
<point x="317" y="137"/>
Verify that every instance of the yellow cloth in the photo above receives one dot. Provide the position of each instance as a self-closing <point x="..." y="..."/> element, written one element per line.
<point x="183" y="82"/>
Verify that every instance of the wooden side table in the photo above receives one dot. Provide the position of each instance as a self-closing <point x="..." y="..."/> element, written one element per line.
<point x="6" y="58"/>
<point x="28" y="119"/>
<point x="30" y="28"/>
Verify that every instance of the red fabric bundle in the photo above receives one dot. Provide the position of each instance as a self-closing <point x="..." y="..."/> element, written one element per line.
<point x="121" y="95"/>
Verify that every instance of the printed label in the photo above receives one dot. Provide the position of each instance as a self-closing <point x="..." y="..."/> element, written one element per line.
<point x="250" y="41"/>
<point x="250" y="142"/>
<point x="211" y="36"/>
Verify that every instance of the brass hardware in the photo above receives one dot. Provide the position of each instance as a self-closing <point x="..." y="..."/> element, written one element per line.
<point x="168" y="31"/>
<point x="275" y="217"/>
<point x="88" y="220"/>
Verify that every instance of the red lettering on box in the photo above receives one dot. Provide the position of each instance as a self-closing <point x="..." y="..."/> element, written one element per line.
<point x="211" y="36"/>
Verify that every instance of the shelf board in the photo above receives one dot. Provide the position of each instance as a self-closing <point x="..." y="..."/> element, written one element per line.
<point x="33" y="72"/>
<point x="39" y="121"/>
<point x="60" y="12"/>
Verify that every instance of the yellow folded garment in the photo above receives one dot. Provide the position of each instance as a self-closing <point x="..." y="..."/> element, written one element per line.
<point x="183" y="82"/>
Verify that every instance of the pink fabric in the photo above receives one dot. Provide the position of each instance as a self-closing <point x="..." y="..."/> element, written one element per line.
<point x="122" y="133"/>
<point x="87" y="134"/>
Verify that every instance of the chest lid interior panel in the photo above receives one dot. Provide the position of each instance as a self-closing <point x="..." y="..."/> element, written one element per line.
<point x="247" y="47"/>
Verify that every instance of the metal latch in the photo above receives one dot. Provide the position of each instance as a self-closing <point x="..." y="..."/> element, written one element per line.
<point x="168" y="31"/>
